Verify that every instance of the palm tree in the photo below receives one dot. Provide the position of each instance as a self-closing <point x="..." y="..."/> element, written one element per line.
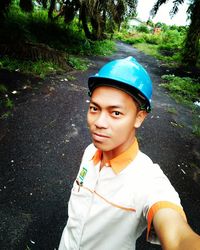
<point x="191" y="47"/>
<point x="101" y="12"/>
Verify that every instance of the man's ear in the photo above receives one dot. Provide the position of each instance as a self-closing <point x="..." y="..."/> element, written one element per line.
<point x="141" y="115"/>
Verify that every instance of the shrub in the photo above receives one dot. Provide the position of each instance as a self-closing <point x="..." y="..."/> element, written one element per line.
<point x="142" y="28"/>
<point x="153" y="38"/>
<point x="172" y="37"/>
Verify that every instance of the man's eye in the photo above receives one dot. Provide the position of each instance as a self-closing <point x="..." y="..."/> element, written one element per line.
<point x="93" y="109"/>
<point x="116" y="113"/>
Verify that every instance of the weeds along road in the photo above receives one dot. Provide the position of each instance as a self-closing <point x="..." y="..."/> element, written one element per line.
<point x="41" y="146"/>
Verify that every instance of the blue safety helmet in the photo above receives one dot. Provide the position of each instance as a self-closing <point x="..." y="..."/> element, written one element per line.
<point x="127" y="75"/>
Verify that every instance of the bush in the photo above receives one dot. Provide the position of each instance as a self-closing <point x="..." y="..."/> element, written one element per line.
<point x="172" y="37"/>
<point x="142" y="28"/>
<point x="152" y="38"/>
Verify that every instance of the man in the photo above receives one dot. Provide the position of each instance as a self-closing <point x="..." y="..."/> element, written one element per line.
<point x="119" y="191"/>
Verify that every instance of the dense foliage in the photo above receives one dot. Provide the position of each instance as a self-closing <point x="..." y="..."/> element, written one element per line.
<point x="191" y="44"/>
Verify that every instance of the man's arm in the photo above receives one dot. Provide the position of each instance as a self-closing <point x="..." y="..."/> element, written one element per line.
<point x="173" y="231"/>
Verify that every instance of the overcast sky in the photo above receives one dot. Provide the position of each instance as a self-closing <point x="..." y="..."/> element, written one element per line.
<point x="144" y="7"/>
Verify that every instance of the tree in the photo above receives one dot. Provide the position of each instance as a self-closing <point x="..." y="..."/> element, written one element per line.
<point x="191" y="49"/>
<point x="191" y="46"/>
<point x="99" y="13"/>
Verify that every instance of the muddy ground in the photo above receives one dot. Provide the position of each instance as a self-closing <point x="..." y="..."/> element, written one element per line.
<point x="42" y="142"/>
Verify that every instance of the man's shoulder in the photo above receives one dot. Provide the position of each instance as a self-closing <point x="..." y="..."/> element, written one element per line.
<point x="89" y="152"/>
<point x="144" y="162"/>
<point x="143" y="159"/>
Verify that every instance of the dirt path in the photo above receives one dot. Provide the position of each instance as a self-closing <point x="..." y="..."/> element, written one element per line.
<point x="41" y="146"/>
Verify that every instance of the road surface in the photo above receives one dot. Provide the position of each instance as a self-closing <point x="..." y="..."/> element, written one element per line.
<point x="41" y="146"/>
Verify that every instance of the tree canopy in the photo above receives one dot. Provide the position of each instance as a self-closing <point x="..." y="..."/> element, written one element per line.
<point x="95" y="15"/>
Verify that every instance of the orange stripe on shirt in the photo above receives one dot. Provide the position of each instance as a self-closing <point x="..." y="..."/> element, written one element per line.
<point x="159" y="205"/>
<point x="107" y="201"/>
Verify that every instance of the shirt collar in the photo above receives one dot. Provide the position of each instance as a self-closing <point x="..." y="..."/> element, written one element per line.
<point x="121" y="161"/>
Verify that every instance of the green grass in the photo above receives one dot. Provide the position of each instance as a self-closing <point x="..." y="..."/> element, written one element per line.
<point x="172" y="111"/>
<point x="78" y="63"/>
<point x="39" y="68"/>
<point x="154" y="50"/>
<point x="185" y="91"/>
<point x="105" y="48"/>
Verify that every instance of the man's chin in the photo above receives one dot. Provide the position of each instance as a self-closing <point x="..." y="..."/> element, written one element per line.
<point x="101" y="146"/>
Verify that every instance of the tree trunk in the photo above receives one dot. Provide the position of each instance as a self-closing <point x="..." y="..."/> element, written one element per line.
<point x="98" y="28"/>
<point x="83" y="18"/>
<point x="51" y="8"/>
<point x="26" y="5"/>
<point x="44" y="4"/>
<point x="4" y="5"/>
<point x="191" y="48"/>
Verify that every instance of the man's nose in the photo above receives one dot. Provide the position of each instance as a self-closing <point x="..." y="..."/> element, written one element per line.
<point x="102" y="120"/>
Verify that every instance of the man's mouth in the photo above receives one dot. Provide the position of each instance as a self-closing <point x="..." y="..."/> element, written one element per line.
<point x="99" y="136"/>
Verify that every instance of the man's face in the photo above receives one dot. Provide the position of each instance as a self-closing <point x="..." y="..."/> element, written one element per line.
<point x="112" y="118"/>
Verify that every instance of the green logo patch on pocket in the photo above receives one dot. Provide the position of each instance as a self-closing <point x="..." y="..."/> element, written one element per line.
<point x="83" y="174"/>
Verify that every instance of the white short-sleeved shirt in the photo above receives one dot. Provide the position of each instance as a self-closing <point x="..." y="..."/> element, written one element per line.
<point x="109" y="209"/>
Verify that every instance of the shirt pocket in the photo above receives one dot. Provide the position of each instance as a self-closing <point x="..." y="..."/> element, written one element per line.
<point x="79" y="202"/>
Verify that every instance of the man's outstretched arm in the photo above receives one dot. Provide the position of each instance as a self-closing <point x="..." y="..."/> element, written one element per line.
<point x="173" y="231"/>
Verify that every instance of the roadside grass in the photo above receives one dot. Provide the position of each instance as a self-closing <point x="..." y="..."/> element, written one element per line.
<point x="186" y="91"/>
<point x="183" y="89"/>
<point x="38" y="68"/>
<point x="153" y="50"/>
<point x="36" y="28"/>
<point x="172" y="111"/>
<point x="78" y="63"/>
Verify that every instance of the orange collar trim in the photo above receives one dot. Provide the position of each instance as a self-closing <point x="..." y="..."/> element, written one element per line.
<point x="121" y="161"/>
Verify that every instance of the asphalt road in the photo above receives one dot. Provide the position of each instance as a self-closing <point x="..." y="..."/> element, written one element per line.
<point x="41" y="146"/>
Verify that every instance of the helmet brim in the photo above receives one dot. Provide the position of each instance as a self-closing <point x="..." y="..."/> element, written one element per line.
<point x="96" y="81"/>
